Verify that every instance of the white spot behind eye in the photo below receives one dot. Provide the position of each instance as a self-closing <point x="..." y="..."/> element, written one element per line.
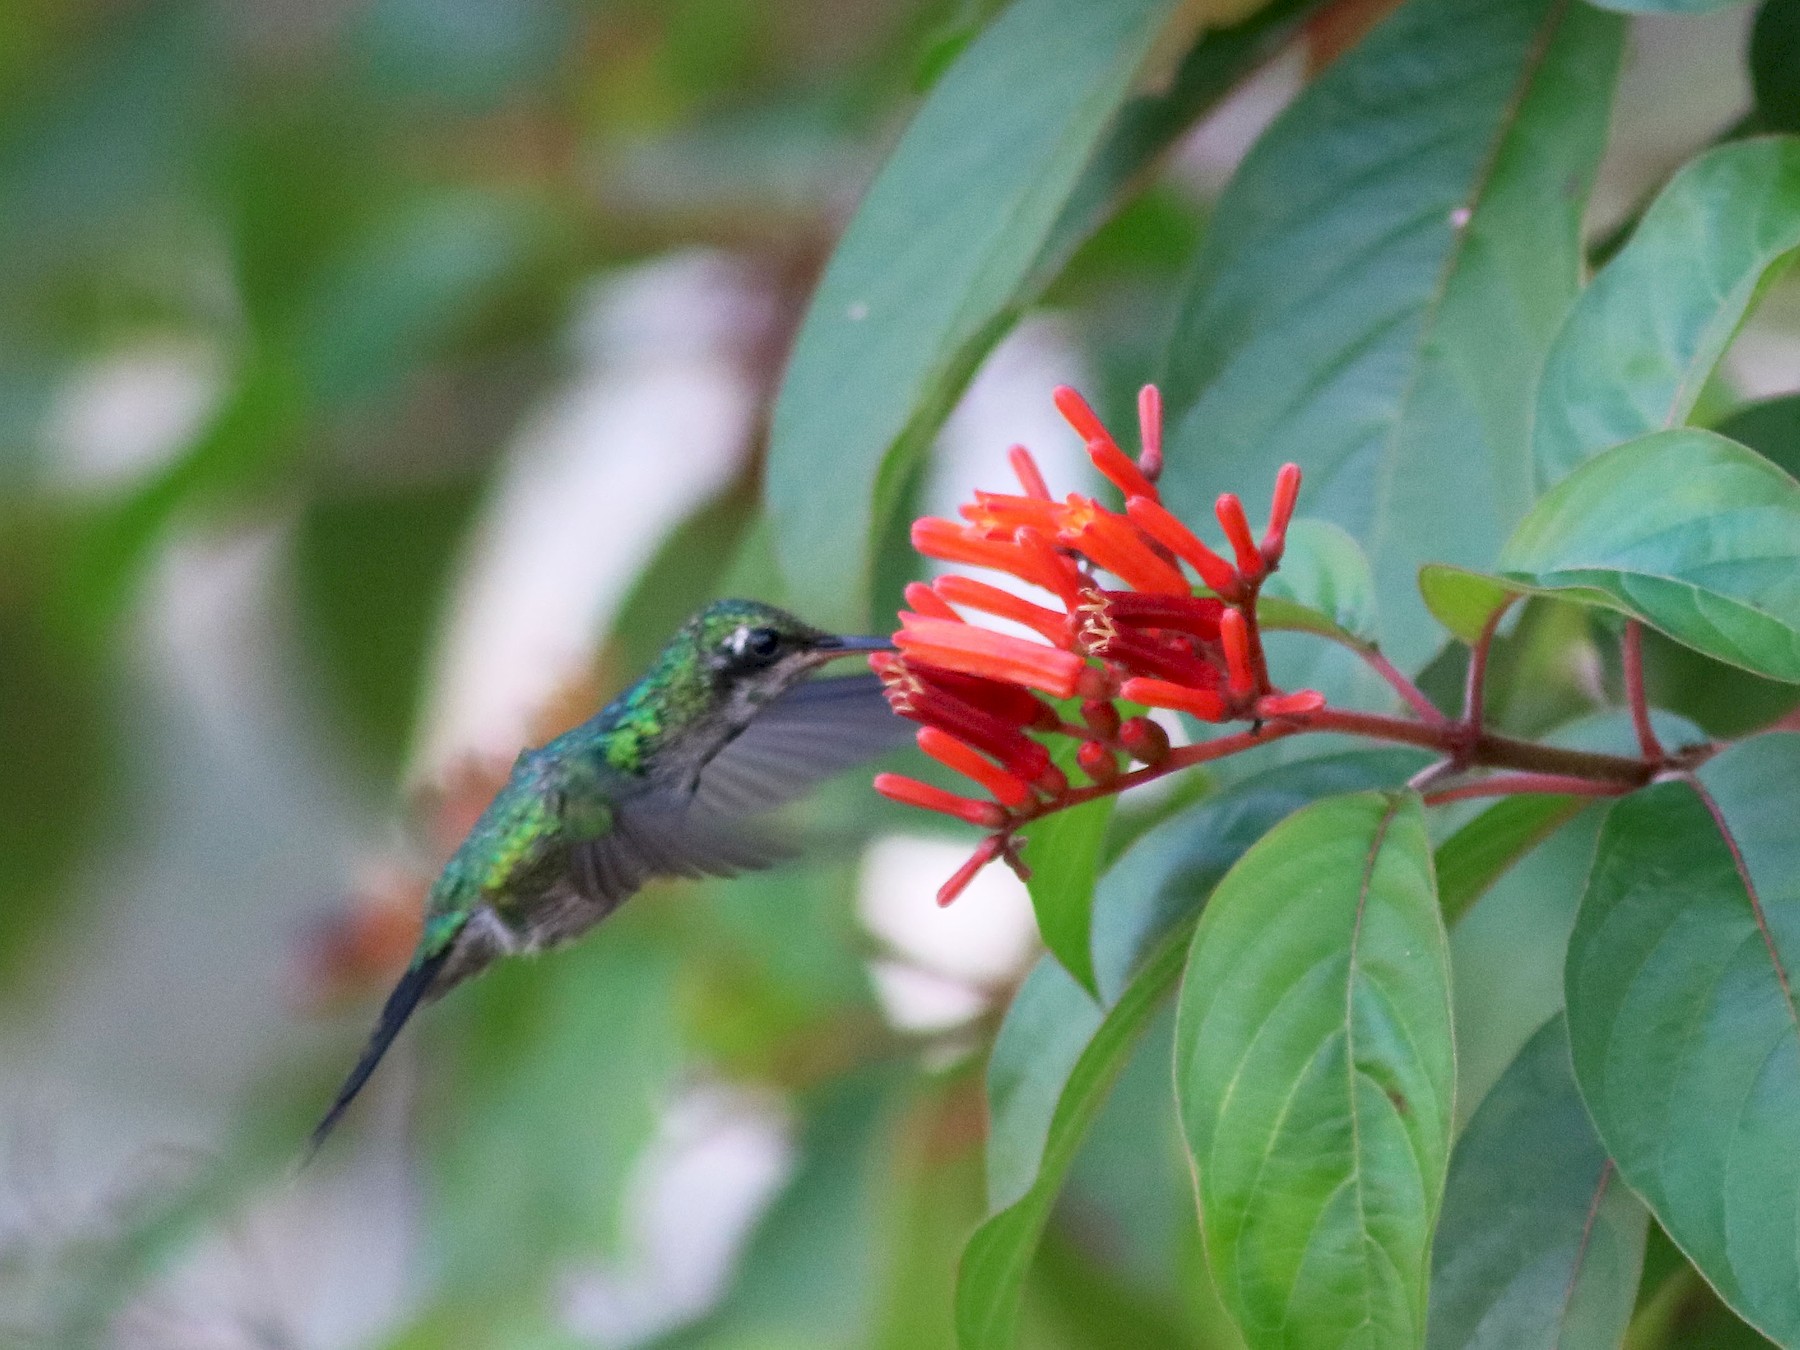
<point x="739" y="640"/>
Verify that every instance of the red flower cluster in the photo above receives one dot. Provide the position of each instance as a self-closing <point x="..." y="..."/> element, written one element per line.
<point x="1156" y="642"/>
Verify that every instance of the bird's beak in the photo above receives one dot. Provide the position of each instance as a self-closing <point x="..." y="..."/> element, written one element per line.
<point x="831" y="647"/>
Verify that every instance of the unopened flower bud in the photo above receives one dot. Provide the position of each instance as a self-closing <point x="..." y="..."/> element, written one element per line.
<point x="1147" y="742"/>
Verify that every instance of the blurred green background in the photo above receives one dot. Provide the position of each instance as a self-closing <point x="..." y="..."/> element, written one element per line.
<point x="380" y="382"/>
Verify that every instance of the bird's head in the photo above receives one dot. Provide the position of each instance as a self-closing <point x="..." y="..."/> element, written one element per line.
<point x="759" y="652"/>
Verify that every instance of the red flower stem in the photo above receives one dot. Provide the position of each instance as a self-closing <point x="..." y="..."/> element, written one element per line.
<point x="1474" y="690"/>
<point x="1488" y="749"/>
<point x="1414" y="696"/>
<point x="1512" y="784"/>
<point x="1182" y="757"/>
<point x="1632" y="652"/>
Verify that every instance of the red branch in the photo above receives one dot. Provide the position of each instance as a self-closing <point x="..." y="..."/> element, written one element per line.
<point x="1632" y="651"/>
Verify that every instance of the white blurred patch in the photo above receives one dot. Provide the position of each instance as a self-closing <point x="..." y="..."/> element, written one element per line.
<point x="124" y="415"/>
<point x="721" y="1156"/>
<point x="986" y="937"/>
<point x="923" y="1002"/>
<point x="656" y="419"/>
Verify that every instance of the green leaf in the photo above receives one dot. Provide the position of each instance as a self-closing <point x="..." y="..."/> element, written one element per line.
<point x="1047" y="1026"/>
<point x="1063" y="852"/>
<point x="1164" y="877"/>
<point x="929" y="274"/>
<point x="999" y="1253"/>
<point x="1682" y="1020"/>
<point x="1323" y="586"/>
<point x="1461" y="600"/>
<point x="1689" y="532"/>
<point x="1058" y="1049"/>
<point x="1771" y="428"/>
<point x="1540" y="1244"/>
<point x="1381" y="279"/>
<point x="1644" y="337"/>
<point x="1314" y="1069"/>
<point x="1775" y="64"/>
<point x="1470" y="861"/>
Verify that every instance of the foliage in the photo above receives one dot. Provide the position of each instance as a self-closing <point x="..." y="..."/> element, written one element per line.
<point x="1445" y="1000"/>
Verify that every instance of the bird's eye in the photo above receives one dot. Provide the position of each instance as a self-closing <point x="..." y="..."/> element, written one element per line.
<point x="753" y="644"/>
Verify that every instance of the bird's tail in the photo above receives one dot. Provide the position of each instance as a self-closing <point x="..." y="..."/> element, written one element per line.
<point x="399" y="1007"/>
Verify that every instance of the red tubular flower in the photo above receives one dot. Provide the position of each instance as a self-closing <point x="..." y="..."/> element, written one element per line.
<point x="1114" y="544"/>
<point x="1236" y="525"/>
<point x="992" y="600"/>
<point x="1281" y="513"/>
<point x="1206" y="704"/>
<point x="985" y="852"/>
<point x="1023" y="757"/>
<point x="1150" y="431"/>
<point x="1007" y="788"/>
<point x="1300" y="701"/>
<point x="927" y="601"/>
<point x="911" y="683"/>
<point x="1059" y="574"/>
<point x="1002" y="513"/>
<point x="1240" y="670"/>
<point x="911" y="792"/>
<point x="950" y="542"/>
<point x="977" y="693"/>
<point x="1197" y="615"/>
<point x="982" y="651"/>
<point x="1150" y="517"/>
<point x="1140" y="655"/>
<point x="1112" y="462"/>
<point x="1025" y="469"/>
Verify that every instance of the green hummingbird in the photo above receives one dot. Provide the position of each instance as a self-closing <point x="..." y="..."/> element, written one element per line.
<point x="664" y="781"/>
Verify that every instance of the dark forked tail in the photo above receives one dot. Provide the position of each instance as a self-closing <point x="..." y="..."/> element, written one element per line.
<point x="399" y="1007"/>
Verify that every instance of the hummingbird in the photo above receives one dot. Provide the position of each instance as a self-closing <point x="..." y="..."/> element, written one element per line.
<point x="664" y="781"/>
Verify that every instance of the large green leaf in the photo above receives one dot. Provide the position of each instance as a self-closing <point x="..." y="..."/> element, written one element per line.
<point x="1692" y="533"/>
<point x="1314" y="1069"/>
<point x="1382" y="278"/>
<point x="999" y="1253"/>
<point x="1539" y="1245"/>
<point x="1682" y="1020"/>
<point x="936" y="265"/>
<point x="1163" y="878"/>
<point x="1470" y="861"/>
<point x="1323" y="586"/>
<point x="1644" y="337"/>
<point x="1058" y="1050"/>
<point x="1063" y="852"/>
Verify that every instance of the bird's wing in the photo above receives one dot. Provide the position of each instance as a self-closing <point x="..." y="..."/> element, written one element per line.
<point x="653" y="838"/>
<point x="815" y="730"/>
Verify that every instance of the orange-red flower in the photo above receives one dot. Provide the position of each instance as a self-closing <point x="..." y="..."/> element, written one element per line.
<point x="979" y="694"/>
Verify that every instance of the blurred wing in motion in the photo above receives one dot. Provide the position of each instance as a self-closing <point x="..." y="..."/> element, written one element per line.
<point x="814" y="731"/>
